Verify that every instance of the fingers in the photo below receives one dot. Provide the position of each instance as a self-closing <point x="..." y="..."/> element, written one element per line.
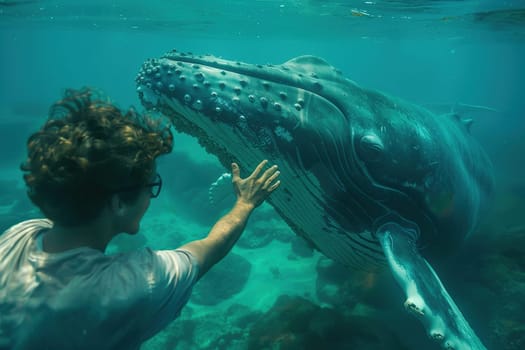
<point x="271" y="187"/>
<point x="274" y="186"/>
<point x="259" y="168"/>
<point x="266" y="180"/>
<point x="236" y="172"/>
<point x="257" y="187"/>
<point x="268" y="173"/>
<point x="268" y="183"/>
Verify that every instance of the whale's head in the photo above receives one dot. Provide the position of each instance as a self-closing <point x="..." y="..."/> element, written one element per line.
<point x="225" y="102"/>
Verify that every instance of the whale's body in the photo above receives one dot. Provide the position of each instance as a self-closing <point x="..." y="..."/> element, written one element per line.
<point x="350" y="158"/>
<point x="366" y="178"/>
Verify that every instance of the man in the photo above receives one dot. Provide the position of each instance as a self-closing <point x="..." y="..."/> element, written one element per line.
<point x="91" y="171"/>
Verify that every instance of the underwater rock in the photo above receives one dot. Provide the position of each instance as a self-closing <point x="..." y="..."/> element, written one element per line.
<point x="223" y="281"/>
<point x="284" y="234"/>
<point x="231" y="327"/>
<point x="342" y="287"/>
<point x="256" y="237"/>
<point x="301" y="248"/>
<point x="180" y="335"/>
<point x="296" y="323"/>
<point x="265" y="226"/>
<point x="216" y="329"/>
<point x="329" y="284"/>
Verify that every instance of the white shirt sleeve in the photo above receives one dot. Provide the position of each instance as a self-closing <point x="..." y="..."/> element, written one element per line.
<point x="147" y="290"/>
<point x="173" y="274"/>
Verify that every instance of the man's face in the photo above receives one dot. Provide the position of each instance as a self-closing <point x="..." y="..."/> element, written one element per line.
<point x="135" y="211"/>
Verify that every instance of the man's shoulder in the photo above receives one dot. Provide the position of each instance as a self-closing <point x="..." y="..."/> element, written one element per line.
<point x="25" y="227"/>
<point x="30" y="224"/>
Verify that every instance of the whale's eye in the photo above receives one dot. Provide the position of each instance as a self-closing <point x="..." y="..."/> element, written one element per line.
<point x="371" y="148"/>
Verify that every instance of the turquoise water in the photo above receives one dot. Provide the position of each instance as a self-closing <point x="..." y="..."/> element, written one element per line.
<point x="435" y="53"/>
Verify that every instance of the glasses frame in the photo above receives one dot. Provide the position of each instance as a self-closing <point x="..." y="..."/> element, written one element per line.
<point x="154" y="187"/>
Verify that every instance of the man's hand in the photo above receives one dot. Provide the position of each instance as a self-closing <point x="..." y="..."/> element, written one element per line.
<point x="254" y="189"/>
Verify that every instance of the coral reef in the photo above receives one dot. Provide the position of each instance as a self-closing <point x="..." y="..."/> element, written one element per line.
<point x="296" y="323"/>
<point x="210" y="331"/>
<point x="339" y="285"/>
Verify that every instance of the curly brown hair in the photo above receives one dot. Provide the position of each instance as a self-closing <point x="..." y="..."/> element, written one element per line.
<point x="86" y="151"/>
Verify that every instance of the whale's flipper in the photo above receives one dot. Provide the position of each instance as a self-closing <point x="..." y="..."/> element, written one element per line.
<point x="426" y="297"/>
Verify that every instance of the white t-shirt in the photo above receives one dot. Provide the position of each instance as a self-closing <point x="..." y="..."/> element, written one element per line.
<point x="84" y="299"/>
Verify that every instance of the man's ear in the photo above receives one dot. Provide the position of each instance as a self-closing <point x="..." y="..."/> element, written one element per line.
<point x="117" y="205"/>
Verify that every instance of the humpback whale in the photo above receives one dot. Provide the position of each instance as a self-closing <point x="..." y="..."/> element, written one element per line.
<point x="367" y="178"/>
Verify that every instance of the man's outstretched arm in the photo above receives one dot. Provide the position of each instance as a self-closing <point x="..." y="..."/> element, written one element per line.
<point x="251" y="192"/>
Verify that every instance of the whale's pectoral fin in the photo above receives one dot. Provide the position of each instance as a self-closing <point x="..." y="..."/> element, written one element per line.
<point x="221" y="191"/>
<point x="427" y="299"/>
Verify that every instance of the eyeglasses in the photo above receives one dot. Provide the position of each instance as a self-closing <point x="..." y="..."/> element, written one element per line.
<point x="154" y="187"/>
